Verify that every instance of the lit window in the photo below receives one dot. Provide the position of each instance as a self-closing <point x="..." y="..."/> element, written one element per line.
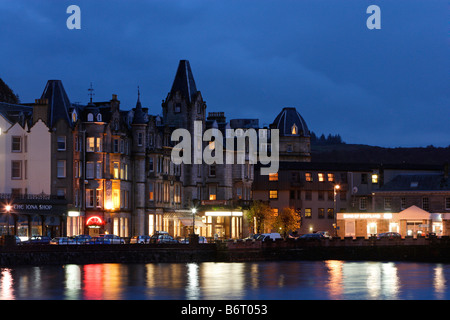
<point x="331" y="177"/>
<point x="321" y="177"/>
<point x="90" y="144"/>
<point x="212" y="193"/>
<point x="275" y="212"/>
<point x="374" y="178"/>
<point x="273" y="176"/>
<point x="294" y="129"/>
<point x="116" y="170"/>
<point x="273" y="194"/>
<point x="308" y="213"/>
<point x="308" y="176"/>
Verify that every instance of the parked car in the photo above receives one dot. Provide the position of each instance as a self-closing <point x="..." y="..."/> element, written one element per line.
<point x="82" y="239"/>
<point x="162" y="238"/>
<point x="107" y="239"/>
<point x="390" y="235"/>
<point x="200" y="240"/>
<point x="62" y="240"/>
<point x="253" y="237"/>
<point x="269" y="236"/>
<point x="312" y="236"/>
<point x="38" y="240"/>
<point x="140" y="239"/>
<point x="325" y="234"/>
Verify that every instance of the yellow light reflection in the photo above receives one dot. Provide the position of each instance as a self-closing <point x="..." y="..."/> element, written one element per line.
<point x="334" y="284"/>
<point x="6" y="285"/>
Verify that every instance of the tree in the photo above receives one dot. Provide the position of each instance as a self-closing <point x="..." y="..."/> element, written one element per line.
<point x="260" y="215"/>
<point x="287" y="220"/>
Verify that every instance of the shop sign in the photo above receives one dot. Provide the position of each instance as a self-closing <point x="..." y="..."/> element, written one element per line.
<point x="367" y="216"/>
<point x="40" y="207"/>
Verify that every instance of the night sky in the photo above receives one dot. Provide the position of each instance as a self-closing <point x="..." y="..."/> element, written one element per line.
<point x="250" y="58"/>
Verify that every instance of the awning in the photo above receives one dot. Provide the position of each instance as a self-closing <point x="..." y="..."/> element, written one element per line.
<point x="187" y="222"/>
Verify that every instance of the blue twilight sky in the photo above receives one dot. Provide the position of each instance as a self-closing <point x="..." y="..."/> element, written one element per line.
<point x="250" y="58"/>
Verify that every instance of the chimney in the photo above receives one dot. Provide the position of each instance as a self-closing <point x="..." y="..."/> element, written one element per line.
<point x="40" y="110"/>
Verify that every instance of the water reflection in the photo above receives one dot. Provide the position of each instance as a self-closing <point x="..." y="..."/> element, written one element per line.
<point x="231" y="281"/>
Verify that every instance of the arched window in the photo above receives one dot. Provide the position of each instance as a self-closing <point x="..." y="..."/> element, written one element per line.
<point x="99" y="117"/>
<point x="294" y="129"/>
<point x="90" y="117"/>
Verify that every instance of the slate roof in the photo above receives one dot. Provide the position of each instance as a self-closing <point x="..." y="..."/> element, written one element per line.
<point x="184" y="81"/>
<point x="286" y="119"/>
<point x="417" y="182"/>
<point x="16" y="113"/>
<point x="58" y="102"/>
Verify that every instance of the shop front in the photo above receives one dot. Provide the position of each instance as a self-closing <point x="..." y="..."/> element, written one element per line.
<point x="412" y="221"/>
<point x="33" y="216"/>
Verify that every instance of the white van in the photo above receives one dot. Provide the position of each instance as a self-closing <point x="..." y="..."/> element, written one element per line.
<point x="268" y="236"/>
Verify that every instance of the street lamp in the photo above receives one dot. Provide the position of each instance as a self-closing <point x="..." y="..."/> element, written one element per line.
<point x="8" y="211"/>
<point x="336" y="189"/>
<point x="193" y="210"/>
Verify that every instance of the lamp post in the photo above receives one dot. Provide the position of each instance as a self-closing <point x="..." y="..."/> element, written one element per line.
<point x="8" y="211"/>
<point x="193" y="210"/>
<point x="336" y="189"/>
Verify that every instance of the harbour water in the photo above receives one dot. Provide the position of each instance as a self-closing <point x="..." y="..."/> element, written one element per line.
<point x="283" y="280"/>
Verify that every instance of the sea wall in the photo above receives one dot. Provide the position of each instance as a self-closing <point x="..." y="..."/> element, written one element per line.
<point x="409" y="249"/>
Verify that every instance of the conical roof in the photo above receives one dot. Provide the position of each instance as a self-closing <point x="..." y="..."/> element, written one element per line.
<point x="58" y="102"/>
<point x="184" y="81"/>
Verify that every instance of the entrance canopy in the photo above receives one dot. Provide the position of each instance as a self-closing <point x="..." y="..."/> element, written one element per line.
<point x="187" y="222"/>
<point x="414" y="213"/>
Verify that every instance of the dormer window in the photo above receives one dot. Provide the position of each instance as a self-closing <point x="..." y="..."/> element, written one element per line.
<point x="294" y="130"/>
<point x="99" y="117"/>
<point x="90" y="117"/>
<point x="74" y="116"/>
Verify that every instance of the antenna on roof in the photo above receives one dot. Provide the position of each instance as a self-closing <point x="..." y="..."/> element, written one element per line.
<point x="91" y="93"/>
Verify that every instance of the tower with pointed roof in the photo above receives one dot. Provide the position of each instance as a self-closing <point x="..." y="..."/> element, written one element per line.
<point x="294" y="141"/>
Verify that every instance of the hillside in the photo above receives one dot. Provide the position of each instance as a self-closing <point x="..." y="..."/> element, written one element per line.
<point x="355" y="153"/>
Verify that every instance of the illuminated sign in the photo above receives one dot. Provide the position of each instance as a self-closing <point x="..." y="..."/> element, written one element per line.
<point x="94" y="222"/>
<point x="224" y="213"/>
<point x="367" y="216"/>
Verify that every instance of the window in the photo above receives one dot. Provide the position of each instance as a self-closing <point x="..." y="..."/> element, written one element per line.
<point x="363" y="178"/>
<point x="212" y="192"/>
<point x="151" y="195"/>
<point x="447" y="203"/>
<point x="294" y="130"/>
<point x="308" y="176"/>
<point x="177" y="107"/>
<point x="150" y="164"/>
<point x="308" y="195"/>
<point x="387" y="203"/>
<point x="331" y="177"/>
<point x="403" y="203"/>
<point x="116" y="170"/>
<point x="321" y="177"/>
<point x="99" y="144"/>
<point x="425" y="204"/>
<point x="177" y="194"/>
<point x="273" y="194"/>
<point x="374" y="178"/>
<point x="90" y="117"/>
<point x="140" y="139"/>
<point x="116" y="146"/>
<point x="330" y="213"/>
<point x="61" y="143"/>
<point x="320" y="195"/>
<point x="321" y="213"/>
<point x="61" y="193"/>
<point x="99" y="117"/>
<point x="289" y="147"/>
<point x="363" y="203"/>
<point x="275" y="212"/>
<point x="16" y="144"/>
<point x="308" y="213"/>
<point x="90" y="198"/>
<point x="61" y="168"/>
<point x="273" y="176"/>
<point x="98" y="198"/>
<point x="16" y="170"/>
<point x="99" y="170"/>
<point x="90" y="144"/>
<point x="212" y="170"/>
<point x="90" y="170"/>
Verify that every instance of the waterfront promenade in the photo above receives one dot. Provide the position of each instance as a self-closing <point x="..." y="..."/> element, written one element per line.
<point x="408" y="249"/>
